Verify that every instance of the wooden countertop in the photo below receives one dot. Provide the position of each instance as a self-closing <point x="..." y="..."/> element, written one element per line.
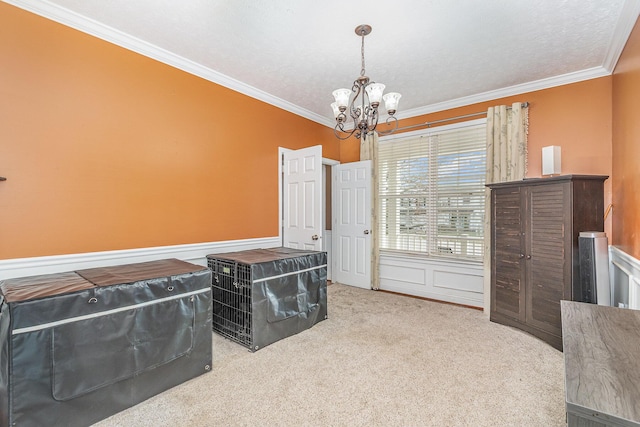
<point x="602" y="362"/>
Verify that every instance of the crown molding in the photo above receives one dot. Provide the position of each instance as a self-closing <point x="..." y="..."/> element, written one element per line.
<point x="564" y="79"/>
<point x="86" y="25"/>
<point x="626" y="22"/>
<point x="46" y="9"/>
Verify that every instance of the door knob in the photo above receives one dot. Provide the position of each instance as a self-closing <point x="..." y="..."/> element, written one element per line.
<point x="366" y="231"/>
<point x="314" y="237"/>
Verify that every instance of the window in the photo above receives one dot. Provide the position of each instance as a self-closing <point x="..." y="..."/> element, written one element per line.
<point x="431" y="191"/>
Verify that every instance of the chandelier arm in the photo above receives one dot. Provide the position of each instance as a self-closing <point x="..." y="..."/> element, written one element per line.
<point x="395" y="122"/>
<point x="366" y="105"/>
<point x="355" y="110"/>
<point x="363" y="123"/>
<point x="374" y="120"/>
<point x="367" y="116"/>
<point x="336" y="132"/>
<point x="355" y="114"/>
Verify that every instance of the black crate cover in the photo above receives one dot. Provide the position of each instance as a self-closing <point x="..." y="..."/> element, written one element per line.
<point x="78" y="347"/>
<point x="263" y="295"/>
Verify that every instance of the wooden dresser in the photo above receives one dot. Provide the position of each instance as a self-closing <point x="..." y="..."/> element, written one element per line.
<point x="535" y="225"/>
<point x="602" y="365"/>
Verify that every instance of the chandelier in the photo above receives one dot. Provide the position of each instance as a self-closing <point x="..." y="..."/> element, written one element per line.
<point x="363" y="108"/>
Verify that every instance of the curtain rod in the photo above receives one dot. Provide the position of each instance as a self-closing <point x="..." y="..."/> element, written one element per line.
<point x="466" y="116"/>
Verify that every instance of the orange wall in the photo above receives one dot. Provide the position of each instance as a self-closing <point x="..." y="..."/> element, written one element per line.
<point x="576" y="117"/>
<point x="626" y="147"/>
<point x="106" y="149"/>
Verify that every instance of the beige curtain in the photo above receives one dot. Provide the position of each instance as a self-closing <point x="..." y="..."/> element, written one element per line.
<point x="369" y="151"/>
<point x="507" y="129"/>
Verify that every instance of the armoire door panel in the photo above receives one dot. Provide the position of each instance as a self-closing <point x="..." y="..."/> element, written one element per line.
<point x="549" y="213"/>
<point x="508" y="300"/>
<point x="507" y="295"/>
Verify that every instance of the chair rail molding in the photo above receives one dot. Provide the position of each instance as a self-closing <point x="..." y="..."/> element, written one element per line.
<point x="195" y="253"/>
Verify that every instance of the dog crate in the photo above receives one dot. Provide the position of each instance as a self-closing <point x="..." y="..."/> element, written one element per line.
<point x="80" y="346"/>
<point x="261" y="296"/>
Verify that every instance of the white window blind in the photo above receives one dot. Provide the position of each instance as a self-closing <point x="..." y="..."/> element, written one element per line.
<point x="432" y="192"/>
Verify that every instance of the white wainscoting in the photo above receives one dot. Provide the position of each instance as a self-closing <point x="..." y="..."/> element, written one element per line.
<point x="624" y="272"/>
<point x="456" y="282"/>
<point x="195" y="253"/>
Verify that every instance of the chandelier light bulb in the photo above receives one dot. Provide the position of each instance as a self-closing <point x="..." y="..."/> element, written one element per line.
<point x="342" y="98"/>
<point x="374" y="92"/>
<point x="391" y="102"/>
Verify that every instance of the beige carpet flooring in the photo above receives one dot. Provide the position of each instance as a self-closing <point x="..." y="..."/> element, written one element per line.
<point x="378" y="360"/>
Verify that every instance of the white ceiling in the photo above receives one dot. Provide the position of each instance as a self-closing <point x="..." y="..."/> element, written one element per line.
<point x="293" y="53"/>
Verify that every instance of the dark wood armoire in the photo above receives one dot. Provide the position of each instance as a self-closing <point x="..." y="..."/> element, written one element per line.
<point x="535" y="225"/>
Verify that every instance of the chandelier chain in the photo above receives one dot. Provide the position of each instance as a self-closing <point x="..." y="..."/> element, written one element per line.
<point x="362" y="34"/>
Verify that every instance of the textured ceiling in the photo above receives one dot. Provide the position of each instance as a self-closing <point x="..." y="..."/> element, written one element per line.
<point x="437" y="53"/>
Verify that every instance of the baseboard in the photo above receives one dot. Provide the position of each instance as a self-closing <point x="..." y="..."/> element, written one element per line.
<point x="439" y="301"/>
<point x="195" y="253"/>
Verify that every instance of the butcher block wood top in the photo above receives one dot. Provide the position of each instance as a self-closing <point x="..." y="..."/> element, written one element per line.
<point x="602" y="362"/>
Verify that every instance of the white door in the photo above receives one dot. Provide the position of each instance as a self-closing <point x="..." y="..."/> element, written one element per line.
<point x="302" y="195"/>
<point x="352" y="224"/>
